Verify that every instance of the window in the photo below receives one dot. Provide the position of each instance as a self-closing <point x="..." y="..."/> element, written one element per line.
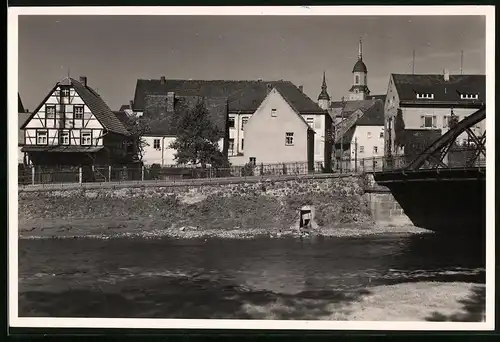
<point x="375" y="149"/>
<point x="428" y="121"/>
<point x="50" y="111"/>
<point x="242" y="140"/>
<point x="361" y="149"/>
<point x="64" y="138"/>
<point x="425" y="96"/>
<point x="64" y="92"/>
<point x="446" y="121"/>
<point x="288" y="138"/>
<point x="369" y="135"/>
<point x="231" y="146"/>
<point x="41" y="137"/>
<point x="231" y="122"/>
<point x="78" y="112"/>
<point x="310" y="122"/>
<point x="365" y="80"/>
<point x="273" y="112"/>
<point x="86" y="138"/>
<point x="156" y="144"/>
<point x="253" y="161"/>
<point x="243" y="123"/>
<point x="317" y="124"/>
<point x="469" y="96"/>
<point x="65" y="95"/>
<point x="381" y="134"/>
<point x="357" y="79"/>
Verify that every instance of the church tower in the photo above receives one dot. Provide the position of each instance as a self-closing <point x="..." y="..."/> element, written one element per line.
<point x="324" y="98"/>
<point x="359" y="89"/>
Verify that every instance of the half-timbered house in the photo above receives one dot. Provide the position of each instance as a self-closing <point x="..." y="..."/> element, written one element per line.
<point x="74" y="126"/>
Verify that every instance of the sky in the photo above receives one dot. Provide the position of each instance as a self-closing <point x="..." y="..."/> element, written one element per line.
<point x="114" y="51"/>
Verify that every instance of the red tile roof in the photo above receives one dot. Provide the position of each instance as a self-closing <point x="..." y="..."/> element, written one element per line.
<point x="243" y="96"/>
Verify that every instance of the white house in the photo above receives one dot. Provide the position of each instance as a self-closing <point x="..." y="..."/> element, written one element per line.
<point x="74" y="126"/>
<point x="277" y="133"/>
<point x="243" y="99"/>
<point x="427" y="101"/>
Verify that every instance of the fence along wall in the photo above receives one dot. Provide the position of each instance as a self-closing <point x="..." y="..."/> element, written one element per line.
<point x="36" y="175"/>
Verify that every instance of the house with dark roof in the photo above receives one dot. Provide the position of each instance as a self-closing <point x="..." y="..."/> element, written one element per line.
<point x="277" y="133"/>
<point x="243" y="99"/>
<point x="361" y="136"/>
<point x="426" y="101"/>
<point x="162" y="114"/>
<point x="73" y="126"/>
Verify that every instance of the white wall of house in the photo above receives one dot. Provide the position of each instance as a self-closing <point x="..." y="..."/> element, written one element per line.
<point x="369" y="141"/>
<point x="267" y="132"/>
<point x="236" y="133"/>
<point x="237" y="137"/>
<point x="424" y="117"/>
<point x="317" y="123"/>
<point x="49" y="127"/>
<point x="158" y="151"/>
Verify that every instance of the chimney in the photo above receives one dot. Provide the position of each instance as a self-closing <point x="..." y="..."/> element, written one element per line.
<point x="83" y="80"/>
<point x="301" y="88"/>
<point x="446" y="75"/>
<point x="162" y="80"/>
<point x="170" y="101"/>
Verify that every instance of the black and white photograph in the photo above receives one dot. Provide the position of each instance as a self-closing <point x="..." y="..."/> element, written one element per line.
<point x="251" y="167"/>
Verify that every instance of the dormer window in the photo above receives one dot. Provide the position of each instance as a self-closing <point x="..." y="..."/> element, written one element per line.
<point x="427" y="96"/>
<point x="469" y="96"/>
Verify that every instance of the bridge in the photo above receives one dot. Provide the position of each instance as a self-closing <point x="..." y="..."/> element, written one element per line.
<point x="444" y="187"/>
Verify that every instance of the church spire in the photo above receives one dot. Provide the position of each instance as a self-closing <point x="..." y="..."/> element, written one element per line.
<point x="360" y="51"/>
<point x="324" y="98"/>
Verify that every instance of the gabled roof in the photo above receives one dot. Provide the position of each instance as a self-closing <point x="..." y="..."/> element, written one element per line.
<point x="95" y="103"/>
<point x="373" y="116"/>
<point x="350" y="107"/>
<point x="243" y="96"/>
<point x="99" y="108"/>
<point x="21" y="119"/>
<point x="20" y="107"/>
<point x="164" y="123"/>
<point x="370" y="116"/>
<point x="407" y="85"/>
<point x="291" y="106"/>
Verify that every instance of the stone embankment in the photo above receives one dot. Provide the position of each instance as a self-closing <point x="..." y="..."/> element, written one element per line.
<point x="234" y="210"/>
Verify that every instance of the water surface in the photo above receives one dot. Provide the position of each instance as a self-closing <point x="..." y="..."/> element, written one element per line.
<point x="216" y="278"/>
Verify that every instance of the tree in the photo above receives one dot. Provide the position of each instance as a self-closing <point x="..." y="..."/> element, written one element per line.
<point x="399" y="129"/>
<point x="198" y="138"/>
<point x="138" y="127"/>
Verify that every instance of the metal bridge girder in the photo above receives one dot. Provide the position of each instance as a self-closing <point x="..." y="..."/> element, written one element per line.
<point x="446" y="141"/>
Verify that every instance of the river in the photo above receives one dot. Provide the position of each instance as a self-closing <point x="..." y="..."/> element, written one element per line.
<point x="217" y="278"/>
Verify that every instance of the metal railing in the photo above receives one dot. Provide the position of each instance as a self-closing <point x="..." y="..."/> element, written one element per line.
<point x="457" y="159"/>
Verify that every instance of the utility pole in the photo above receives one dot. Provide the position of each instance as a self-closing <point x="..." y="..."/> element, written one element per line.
<point x="356" y="154"/>
<point x="413" y="63"/>
<point x="342" y="134"/>
<point x="461" y="61"/>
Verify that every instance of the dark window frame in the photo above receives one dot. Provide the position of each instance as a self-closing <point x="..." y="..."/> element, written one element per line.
<point x="46" y="131"/>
